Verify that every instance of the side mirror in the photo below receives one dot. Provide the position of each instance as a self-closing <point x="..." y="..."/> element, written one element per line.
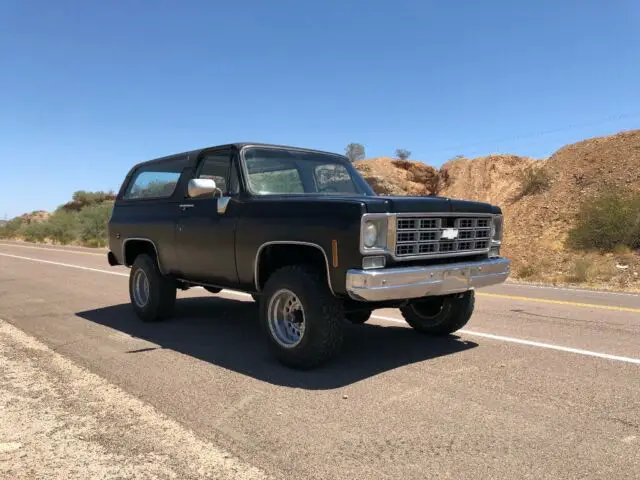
<point x="203" y="187"/>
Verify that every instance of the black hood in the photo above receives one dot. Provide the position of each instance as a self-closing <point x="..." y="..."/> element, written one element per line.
<point x="388" y="204"/>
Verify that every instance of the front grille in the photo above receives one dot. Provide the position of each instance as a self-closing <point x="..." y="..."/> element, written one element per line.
<point x="423" y="236"/>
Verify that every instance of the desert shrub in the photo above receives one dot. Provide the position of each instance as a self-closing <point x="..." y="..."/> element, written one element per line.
<point x="34" y="231"/>
<point x="527" y="271"/>
<point x="580" y="270"/>
<point x="607" y="221"/>
<point x="534" y="180"/>
<point x="62" y="227"/>
<point x="11" y="228"/>
<point x="92" y="224"/>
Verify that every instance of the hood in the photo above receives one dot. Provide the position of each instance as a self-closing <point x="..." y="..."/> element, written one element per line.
<point x="355" y="204"/>
<point x="388" y="204"/>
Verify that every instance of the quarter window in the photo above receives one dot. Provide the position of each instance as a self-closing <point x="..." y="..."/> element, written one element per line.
<point x="157" y="180"/>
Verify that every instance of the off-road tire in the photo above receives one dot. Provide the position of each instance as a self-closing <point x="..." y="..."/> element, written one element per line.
<point x="213" y="290"/>
<point x="162" y="291"/>
<point x="323" y="316"/>
<point x="455" y="313"/>
<point x="358" y="317"/>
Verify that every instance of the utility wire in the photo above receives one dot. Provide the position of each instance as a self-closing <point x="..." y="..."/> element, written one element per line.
<point x="545" y="132"/>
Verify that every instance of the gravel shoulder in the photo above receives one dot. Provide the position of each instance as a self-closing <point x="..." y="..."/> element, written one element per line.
<point x="59" y="421"/>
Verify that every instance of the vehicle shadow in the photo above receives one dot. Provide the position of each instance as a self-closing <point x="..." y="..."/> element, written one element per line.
<point x="227" y="333"/>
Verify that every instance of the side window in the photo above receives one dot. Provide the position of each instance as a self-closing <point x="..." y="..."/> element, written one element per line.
<point x="156" y="180"/>
<point x="216" y="165"/>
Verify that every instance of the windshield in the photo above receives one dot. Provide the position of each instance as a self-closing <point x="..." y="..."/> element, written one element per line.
<point x="280" y="171"/>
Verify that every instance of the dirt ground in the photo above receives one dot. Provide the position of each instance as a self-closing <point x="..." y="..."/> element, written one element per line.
<point x="59" y="421"/>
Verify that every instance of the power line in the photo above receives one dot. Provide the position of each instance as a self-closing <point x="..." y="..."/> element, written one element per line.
<point x="545" y="132"/>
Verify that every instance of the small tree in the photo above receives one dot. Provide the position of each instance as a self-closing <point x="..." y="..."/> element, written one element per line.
<point x="354" y="151"/>
<point x="92" y="224"/>
<point x="403" y="153"/>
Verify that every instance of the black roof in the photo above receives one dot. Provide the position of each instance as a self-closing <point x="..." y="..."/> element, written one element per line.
<point x="193" y="154"/>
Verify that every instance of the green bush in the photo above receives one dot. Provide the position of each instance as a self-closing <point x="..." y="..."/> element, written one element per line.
<point x="608" y="221"/>
<point x="92" y="224"/>
<point x="533" y="180"/>
<point x="34" y="231"/>
<point x="11" y="228"/>
<point x="63" y="227"/>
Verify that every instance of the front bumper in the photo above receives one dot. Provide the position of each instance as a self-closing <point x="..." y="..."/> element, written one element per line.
<point x="414" y="282"/>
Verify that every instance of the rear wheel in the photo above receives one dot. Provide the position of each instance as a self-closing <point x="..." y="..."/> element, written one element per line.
<point x="439" y="315"/>
<point x="301" y="318"/>
<point x="153" y="295"/>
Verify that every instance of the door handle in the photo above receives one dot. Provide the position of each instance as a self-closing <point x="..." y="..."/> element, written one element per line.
<point x="184" y="206"/>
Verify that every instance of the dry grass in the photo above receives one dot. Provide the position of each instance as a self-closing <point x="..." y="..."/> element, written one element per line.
<point x="534" y="180"/>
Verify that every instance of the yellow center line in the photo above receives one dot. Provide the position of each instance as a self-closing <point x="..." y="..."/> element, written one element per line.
<point x="559" y="302"/>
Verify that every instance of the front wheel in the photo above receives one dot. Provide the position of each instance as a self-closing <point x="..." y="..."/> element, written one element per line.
<point x="439" y="315"/>
<point x="153" y="295"/>
<point x="302" y="319"/>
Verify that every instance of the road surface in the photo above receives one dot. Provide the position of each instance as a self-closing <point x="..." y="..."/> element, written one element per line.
<point x="542" y="383"/>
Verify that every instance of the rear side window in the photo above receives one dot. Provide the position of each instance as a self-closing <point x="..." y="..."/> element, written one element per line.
<point x="155" y="181"/>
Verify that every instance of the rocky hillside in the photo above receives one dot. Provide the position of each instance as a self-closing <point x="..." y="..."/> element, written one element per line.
<point x="399" y="177"/>
<point x="538" y="223"/>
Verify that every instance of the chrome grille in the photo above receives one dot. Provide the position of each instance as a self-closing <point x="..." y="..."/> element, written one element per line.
<point x="423" y="236"/>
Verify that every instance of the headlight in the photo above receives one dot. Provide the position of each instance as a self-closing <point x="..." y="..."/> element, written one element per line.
<point x="370" y="235"/>
<point x="373" y="236"/>
<point x="497" y="229"/>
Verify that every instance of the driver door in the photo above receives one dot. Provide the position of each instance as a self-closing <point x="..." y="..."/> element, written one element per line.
<point x="205" y="234"/>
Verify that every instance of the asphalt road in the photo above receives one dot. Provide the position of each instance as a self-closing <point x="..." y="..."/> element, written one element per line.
<point x="542" y="383"/>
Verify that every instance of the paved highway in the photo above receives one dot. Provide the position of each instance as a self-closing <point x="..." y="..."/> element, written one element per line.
<point x="543" y="382"/>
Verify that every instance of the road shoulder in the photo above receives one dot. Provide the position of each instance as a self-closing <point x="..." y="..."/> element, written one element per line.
<point x="58" y="420"/>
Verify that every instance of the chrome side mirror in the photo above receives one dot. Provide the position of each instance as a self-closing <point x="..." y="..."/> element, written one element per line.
<point x="203" y="187"/>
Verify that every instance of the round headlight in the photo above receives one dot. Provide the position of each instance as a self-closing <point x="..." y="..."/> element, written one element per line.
<point x="370" y="235"/>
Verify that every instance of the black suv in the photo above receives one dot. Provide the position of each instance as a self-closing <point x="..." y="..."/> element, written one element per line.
<point x="307" y="237"/>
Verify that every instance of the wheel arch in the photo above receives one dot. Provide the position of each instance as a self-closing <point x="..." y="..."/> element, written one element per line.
<point x="259" y="279"/>
<point x="134" y="246"/>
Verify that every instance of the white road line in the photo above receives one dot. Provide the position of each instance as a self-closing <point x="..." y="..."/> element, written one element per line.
<point x="63" y="250"/>
<point x="490" y="336"/>
<point x="530" y="343"/>
<point x="60" y="264"/>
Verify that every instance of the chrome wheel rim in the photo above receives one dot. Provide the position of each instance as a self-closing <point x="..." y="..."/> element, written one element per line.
<point x="140" y="288"/>
<point x="286" y="319"/>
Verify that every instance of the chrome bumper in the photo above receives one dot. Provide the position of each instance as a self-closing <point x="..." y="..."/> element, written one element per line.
<point x="414" y="282"/>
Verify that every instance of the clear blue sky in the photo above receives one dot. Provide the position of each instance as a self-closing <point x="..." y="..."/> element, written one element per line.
<point x="88" y="88"/>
